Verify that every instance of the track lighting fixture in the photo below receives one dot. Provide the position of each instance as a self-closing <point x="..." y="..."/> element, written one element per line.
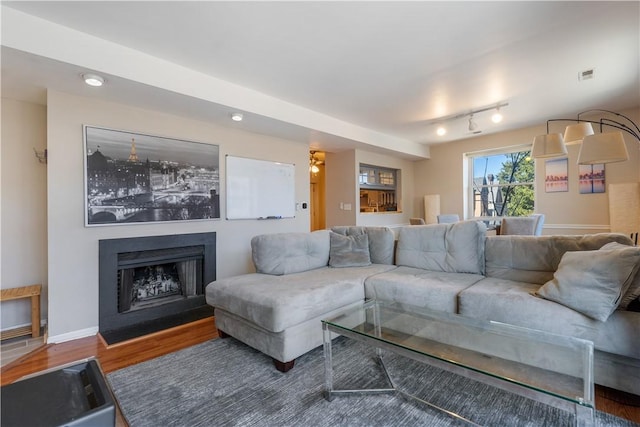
<point x="473" y="124"/>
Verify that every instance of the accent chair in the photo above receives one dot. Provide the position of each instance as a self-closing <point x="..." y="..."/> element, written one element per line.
<point x="522" y="225"/>
<point x="448" y="218"/>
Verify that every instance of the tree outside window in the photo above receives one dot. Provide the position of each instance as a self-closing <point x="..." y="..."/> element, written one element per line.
<point x="503" y="184"/>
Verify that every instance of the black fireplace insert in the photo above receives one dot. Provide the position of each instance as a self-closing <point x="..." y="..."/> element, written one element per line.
<point x="153" y="283"/>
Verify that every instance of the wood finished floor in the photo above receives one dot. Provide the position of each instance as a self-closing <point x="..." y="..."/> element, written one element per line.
<point x="135" y="351"/>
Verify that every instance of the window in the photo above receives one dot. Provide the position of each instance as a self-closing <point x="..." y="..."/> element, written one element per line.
<point x="378" y="189"/>
<point x="502" y="183"/>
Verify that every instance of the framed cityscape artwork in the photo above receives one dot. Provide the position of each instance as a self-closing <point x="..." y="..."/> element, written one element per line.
<point x="591" y="178"/>
<point x="136" y="178"/>
<point x="556" y="179"/>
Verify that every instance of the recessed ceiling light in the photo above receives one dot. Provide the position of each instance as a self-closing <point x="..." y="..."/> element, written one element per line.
<point x="93" y="80"/>
<point x="441" y="131"/>
<point x="236" y="117"/>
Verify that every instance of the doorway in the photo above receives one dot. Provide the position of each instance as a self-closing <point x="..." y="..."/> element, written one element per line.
<point x="317" y="191"/>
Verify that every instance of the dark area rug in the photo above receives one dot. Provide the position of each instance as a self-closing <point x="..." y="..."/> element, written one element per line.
<point x="226" y="383"/>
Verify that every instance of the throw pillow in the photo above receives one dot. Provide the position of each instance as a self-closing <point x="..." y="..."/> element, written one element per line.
<point x="591" y="282"/>
<point x="349" y="251"/>
<point x="633" y="290"/>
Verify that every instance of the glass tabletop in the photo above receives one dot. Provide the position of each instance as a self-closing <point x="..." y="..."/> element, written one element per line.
<point x="561" y="366"/>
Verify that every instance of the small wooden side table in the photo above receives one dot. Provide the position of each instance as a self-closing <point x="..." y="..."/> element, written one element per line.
<point x="32" y="292"/>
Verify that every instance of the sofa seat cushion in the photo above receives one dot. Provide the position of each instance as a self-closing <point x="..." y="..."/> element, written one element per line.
<point x="452" y="248"/>
<point x="433" y="290"/>
<point x="513" y="302"/>
<point x="276" y="303"/>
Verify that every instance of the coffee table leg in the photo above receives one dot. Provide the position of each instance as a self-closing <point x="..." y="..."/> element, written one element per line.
<point x="378" y="328"/>
<point x="328" y="363"/>
<point x="584" y="416"/>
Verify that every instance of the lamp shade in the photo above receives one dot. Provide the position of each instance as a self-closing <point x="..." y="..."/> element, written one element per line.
<point x="577" y="132"/>
<point x="549" y="145"/>
<point x="603" y="148"/>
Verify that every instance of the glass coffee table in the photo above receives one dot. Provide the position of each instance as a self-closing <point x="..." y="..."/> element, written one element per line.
<point x="552" y="369"/>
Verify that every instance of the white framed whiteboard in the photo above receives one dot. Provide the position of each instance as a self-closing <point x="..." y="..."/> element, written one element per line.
<point x="259" y="189"/>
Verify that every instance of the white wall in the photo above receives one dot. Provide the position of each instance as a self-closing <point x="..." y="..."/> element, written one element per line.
<point x="73" y="248"/>
<point x="566" y="213"/>
<point x="24" y="208"/>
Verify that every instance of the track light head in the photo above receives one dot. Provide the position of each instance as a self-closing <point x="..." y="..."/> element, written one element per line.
<point x="472" y="125"/>
<point x="497" y="116"/>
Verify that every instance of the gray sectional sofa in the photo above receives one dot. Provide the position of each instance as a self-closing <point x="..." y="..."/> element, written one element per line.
<point x="522" y="280"/>
<point x="278" y="309"/>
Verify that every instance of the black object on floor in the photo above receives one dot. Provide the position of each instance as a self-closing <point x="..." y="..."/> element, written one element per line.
<point x="76" y="396"/>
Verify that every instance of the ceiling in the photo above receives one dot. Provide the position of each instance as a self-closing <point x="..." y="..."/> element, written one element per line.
<point x="335" y="75"/>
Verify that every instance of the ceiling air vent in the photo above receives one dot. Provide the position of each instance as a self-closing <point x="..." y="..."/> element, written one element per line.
<point x="586" y="75"/>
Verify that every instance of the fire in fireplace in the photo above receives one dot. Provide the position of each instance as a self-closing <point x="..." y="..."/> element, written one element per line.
<point x="153" y="282"/>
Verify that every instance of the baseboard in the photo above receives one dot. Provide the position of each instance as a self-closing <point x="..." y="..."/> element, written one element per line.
<point x="73" y="335"/>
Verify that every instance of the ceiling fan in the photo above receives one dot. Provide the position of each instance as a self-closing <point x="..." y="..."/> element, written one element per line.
<point x="314" y="162"/>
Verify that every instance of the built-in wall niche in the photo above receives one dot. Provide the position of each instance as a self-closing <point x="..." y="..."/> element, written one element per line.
<point x="379" y="189"/>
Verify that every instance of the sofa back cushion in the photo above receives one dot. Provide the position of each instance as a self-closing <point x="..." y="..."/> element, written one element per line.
<point x="452" y="248"/>
<point x="381" y="241"/>
<point x="534" y="259"/>
<point x="286" y="253"/>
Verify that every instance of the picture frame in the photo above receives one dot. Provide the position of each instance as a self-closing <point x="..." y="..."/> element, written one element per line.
<point x="591" y="178"/>
<point x="134" y="178"/>
<point x="556" y="177"/>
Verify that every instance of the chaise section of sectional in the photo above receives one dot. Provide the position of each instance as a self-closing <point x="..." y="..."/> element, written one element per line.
<point x="278" y="309"/>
